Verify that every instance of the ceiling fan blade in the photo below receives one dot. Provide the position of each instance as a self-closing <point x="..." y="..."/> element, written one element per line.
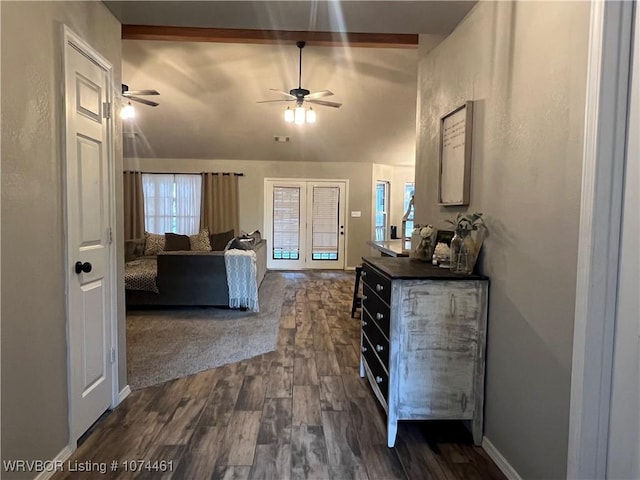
<point x="320" y="94"/>
<point x="325" y="103"/>
<point x="144" y="101"/>
<point x="140" y="92"/>
<point x="281" y="100"/>
<point x="282" y="92"/>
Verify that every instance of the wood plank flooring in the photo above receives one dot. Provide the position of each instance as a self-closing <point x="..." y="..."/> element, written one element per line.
<point x="300" y="412"/>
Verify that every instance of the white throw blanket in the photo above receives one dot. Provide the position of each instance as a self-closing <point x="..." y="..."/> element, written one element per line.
<point x="241" y="279"/>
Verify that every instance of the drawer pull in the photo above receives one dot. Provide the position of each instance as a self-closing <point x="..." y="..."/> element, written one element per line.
<point x="379" y="287"/>
<point x="379" y="348"/>
<point x="364" y="349"/>
<point x="364" y="297"/>
<point x="379" y="316"/>
<point x="364" y="323"/>
<point x="378" y="379"/>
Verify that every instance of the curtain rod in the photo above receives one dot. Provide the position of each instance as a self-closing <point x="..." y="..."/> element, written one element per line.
<point x="183" y="173"/>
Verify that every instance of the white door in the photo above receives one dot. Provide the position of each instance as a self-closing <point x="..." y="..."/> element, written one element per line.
<point x="304" y="224"/>
<point x="89" y="293"/>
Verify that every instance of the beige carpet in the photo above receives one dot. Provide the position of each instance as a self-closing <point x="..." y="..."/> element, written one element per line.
<point x="172" y="343"/>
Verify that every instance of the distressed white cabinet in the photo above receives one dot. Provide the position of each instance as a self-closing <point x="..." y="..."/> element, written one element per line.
<point x="423" y="342"/>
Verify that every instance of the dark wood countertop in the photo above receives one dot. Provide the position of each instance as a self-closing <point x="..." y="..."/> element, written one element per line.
<point x="405" y="268"/>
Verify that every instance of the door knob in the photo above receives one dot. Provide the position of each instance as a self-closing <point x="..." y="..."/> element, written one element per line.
<point x="83" y="267"/>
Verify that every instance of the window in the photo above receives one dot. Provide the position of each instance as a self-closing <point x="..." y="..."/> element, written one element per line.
<point x="172" y="203"/>
<point x="409" y="188"/>
<point x="382" y="204"/>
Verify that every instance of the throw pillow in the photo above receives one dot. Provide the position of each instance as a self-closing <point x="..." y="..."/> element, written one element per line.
<point x="256" y="236"/>
<point x="139" y="248"/>
<point x="153" y="243"/>
<point x="220" y="240"/>
<point x="174" y="242"/>
<point x="240" y="243"/>
<point x="133" y="249"/>
<point x="200" y="241"/>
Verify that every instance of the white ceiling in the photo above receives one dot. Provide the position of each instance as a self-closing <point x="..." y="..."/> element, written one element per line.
<point x="209" y="91"/>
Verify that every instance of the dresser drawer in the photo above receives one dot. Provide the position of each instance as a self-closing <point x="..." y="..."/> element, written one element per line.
<point x="378" y="341"/>
<point x="380" y="376"/>
<point x="379" y="311"/>
<point x="377" y="282"/>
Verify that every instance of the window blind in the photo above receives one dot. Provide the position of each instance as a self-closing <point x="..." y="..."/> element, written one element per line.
<point x="286" y="223"/>
<point x="324" y="223"/>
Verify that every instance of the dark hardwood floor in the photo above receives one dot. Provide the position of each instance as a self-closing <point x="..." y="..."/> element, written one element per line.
<point x="301" y="411"/>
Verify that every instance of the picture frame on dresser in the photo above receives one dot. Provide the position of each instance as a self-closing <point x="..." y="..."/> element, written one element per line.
<point x="454" y="162"/>
<point x="444" y="236"/>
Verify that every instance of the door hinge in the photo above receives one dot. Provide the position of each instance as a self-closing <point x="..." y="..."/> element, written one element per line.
<point x="109" y="236"/>
<point x="113" y="355"/>
<point x="106" y="106"/>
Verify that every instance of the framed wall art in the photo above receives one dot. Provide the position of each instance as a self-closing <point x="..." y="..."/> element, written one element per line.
<point x="455" y="156"/>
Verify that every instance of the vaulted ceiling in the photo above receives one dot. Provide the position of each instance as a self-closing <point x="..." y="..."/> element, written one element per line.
<point x="209" y="90"/>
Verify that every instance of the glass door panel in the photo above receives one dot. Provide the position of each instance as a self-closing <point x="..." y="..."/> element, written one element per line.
<point x="286" y="223"/>
<point x="326" y="232"/>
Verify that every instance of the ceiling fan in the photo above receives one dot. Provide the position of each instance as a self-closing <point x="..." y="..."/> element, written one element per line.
<point x="301" y="95"/>
<point x="131" y="95"/>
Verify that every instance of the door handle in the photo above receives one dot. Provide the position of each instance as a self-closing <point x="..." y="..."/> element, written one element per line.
<point x="83" y="267"/>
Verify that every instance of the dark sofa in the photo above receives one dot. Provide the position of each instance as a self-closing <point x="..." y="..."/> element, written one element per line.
<point x="188" y="278"/>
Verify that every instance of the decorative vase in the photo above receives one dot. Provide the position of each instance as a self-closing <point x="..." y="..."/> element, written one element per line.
<point x="465" y="247"/>
<point x="424" y="251"/>
<point x="422" y="243"/>
<point x="463" y="253"/>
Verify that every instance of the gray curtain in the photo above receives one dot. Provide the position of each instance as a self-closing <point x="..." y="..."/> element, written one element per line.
<point x="219" y="211"/>
<point x="133" y="206"/>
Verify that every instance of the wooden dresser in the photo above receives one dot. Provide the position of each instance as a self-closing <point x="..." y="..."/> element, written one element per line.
<point x="423" y="341"/>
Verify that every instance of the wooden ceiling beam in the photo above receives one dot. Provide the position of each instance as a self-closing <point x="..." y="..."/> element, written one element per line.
<point x="228" y="35"/>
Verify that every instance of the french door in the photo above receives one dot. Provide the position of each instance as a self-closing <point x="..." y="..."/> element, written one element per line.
<point x="304" y="224"/>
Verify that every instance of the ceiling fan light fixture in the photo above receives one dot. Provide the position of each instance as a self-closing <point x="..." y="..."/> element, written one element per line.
<point x="289" y="115"/>
<point x="299" y="115"/>
<point x="311" y="116"/>
<point x="128" y="112"/>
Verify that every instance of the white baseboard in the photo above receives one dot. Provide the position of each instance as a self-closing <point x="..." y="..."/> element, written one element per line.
<point x="500" y="461"/>
<point x="61" y="458"/>
<point x="66" y="452"/>
<point x="124" y="393"/>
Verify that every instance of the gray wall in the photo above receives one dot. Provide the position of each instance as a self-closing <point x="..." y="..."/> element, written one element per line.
<point x="624" y="441"/>
<point x="524" y="66"/>
<point x="252" y="189"/>
<point x="34" y="347"/>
